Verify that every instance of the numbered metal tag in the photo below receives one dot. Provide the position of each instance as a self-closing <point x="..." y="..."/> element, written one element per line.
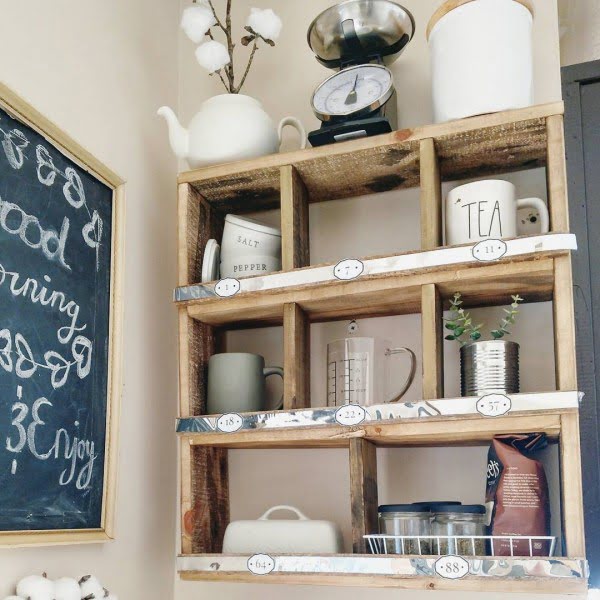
<point x="350" y="414"/>
<point x="452" y="567"/>
<point x="227" y="288"/>
<point x="261" y="564"/>
<point x="230" y="423"/>
<point x="494" y="405"/>
<point x="349" y="269"/>
<point x="490" y="250"/>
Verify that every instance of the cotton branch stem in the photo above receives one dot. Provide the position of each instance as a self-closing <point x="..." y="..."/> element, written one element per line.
<point x="230" y="46"/>
<point x="212" y="37"/>
<point x="254" y="49"/>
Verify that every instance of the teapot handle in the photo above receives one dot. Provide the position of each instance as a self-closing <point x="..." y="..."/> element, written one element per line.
<point x="413" y="370"/>
<point x="295" y="123"/>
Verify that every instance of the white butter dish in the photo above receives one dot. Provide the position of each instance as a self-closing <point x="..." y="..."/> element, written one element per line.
<point x="289" y="536"/>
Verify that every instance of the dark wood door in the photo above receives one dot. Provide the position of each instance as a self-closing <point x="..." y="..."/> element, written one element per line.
<point x="581" y="92"/>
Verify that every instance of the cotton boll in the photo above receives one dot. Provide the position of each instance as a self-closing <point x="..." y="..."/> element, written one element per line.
<point x="213" y="56"/>
<point x="90" y="586"/>
<point x="265" y="22"/>
<point x="196" y="21"/>
<point x="36" y="587"/>
<point x="66" y="589"/>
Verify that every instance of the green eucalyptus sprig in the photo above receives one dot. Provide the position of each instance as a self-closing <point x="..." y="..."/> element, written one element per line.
<point x="460" y="323"/>
<point x="462" y="328"/>
<point x="509" y="320"/>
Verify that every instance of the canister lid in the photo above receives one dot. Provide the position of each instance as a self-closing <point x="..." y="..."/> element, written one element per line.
<point x="474" y="509"/>
<point x="450" y="5"/>
<point x="403" y="508"/>
<point x="253" y="225"/>
<point x="435" y="505"/>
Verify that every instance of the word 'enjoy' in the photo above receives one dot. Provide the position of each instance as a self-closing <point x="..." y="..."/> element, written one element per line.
<point x="78" y="452"/>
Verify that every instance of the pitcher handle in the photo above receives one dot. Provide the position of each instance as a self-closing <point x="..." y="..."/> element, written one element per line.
<point x="296" y="124"/>
<point x="539" y="205"/>
<point x="267" y="372"/>
<point x="413" y="370"/>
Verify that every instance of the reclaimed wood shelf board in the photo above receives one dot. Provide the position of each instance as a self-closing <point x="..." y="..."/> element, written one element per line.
<point x="388" y="286"/>
<point x="478" y="146"/>
<point x="533" y="575"/>
<point x="427" y="423"/>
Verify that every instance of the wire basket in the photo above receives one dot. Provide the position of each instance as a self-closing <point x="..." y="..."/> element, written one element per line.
<point x="471" y="545"/>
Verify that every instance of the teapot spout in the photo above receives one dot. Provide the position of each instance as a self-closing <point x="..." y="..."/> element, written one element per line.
<point x="178" y="135"/>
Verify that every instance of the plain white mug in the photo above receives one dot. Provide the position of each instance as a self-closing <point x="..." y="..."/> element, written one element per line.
<point x="487" y="210"/>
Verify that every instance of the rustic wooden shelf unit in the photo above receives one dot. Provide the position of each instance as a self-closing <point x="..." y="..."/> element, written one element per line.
<point x="421" y="157"/>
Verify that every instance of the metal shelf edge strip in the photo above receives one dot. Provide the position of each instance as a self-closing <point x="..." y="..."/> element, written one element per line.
<point x="509" y="568"/>
<point x="462" y="255"/>
<point x="384" y="412"/>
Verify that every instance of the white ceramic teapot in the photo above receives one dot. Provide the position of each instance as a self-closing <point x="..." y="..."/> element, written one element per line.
<point x="228" y="127"/>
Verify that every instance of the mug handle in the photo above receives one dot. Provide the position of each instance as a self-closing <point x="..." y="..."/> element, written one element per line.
<point x="267" y="372"/>
<point x="539" y="205"/>
<point x="413" y="369"/>
<point x="295" y="123"/>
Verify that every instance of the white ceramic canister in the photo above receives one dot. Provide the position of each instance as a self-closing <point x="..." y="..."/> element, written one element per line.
<point x="481" y="57"/>
<point x="249" y="266"/>
<point x="243" y="237"/>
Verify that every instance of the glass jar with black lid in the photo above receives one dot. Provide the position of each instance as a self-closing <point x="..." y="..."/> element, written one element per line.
<point x="462" y="524"/>
<point x="410" y="525"/>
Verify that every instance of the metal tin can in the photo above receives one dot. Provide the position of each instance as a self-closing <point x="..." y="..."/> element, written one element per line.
<point x="489" y="368"/>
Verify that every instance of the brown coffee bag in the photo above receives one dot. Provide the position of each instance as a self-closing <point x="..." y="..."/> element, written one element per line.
<point x="517" y="496"/>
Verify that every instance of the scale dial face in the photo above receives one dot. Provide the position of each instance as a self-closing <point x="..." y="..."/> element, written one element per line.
<point x="353" y="92"/>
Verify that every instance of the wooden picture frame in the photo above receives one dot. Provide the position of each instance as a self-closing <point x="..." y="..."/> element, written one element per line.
<point x="61" y="141"/>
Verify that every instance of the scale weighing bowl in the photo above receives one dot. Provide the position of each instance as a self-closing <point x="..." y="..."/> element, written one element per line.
<point x="359" y="31"/>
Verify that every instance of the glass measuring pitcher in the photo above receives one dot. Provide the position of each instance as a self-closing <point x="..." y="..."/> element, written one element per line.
<point x="358" y="373"/>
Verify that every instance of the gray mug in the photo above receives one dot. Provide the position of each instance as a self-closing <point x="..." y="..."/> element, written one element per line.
<point x="236" y="383"/>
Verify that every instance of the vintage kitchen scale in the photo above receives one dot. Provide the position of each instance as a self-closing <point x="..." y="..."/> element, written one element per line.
<point x="359" y="39"/>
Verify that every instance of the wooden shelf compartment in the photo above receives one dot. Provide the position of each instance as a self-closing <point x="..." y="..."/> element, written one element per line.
<point x="525" y="575"/>
<point x="473" y="147"/>
<point x="204" y="519"/>
<point x="421" y="157"/>
<point x="203" y="562"/>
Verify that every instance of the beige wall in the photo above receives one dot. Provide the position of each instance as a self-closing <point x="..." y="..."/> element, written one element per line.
<point x="317" y="481"/>
<point x="99" y="70"/>
<point x="580" y="31"/>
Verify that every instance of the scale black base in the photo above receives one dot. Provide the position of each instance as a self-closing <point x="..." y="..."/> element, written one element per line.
<point x="330" y="133"/>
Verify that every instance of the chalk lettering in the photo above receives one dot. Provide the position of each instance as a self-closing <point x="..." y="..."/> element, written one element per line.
<point x="79" y="453"/>
<point x="73" y="188"/>
<point x="36" y="292"/>
<point x="14" y="143"/>
<point x="60" y="368"/>
<point x="46" y="171"/>
<point x="11" y="214"/>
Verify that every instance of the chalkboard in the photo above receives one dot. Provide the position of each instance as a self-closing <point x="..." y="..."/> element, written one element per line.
<point x="59" y="229"/>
